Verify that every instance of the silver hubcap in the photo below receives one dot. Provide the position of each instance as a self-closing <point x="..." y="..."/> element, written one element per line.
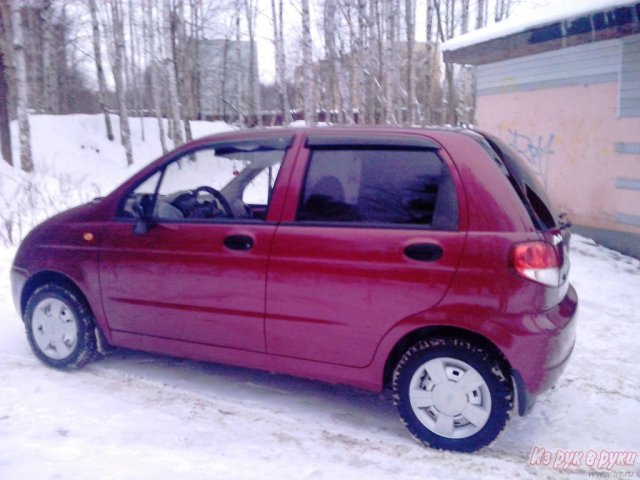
<point x="55" y="329"/>
<point x="450" y="397"/>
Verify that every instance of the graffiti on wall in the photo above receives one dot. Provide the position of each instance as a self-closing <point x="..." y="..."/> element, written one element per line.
<point x="536" y="150"/>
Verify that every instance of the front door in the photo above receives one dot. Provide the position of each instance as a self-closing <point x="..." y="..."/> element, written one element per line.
<point x="194" y="267"/>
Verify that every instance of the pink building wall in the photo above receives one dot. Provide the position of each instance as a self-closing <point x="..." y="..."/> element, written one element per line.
<point x="568" y="135"/>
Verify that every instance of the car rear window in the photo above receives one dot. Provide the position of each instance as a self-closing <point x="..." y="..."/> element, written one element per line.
<point x="527" y="186"/>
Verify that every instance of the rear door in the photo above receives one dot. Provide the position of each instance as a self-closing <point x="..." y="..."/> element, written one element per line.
<point x="371" y="235"/>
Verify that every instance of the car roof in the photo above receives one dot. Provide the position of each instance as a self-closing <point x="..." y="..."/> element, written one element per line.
<point x="360" y="131"/>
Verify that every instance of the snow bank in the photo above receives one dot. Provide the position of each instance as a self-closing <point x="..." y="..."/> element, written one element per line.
<point x="550" y="14"/>
<point x="74" y="162"/>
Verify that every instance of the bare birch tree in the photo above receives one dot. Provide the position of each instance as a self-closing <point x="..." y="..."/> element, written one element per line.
<point x="134" y="82"/>
<point x="360" y="81"/>
<point x="502" y="10"/>
<point x="154" y="70"/>
<point x="307" y="65"/>
<point x="5" y="132"/>
<point x="51" y="96"/>
<point x="278" y="41"/>
<point x="184" y="65"/>
<point x="464" y="16"/>
<point x="170" y="71"/>
<point x="445" y="21"/>
<point x="481" y="21"/>
<point x="97" y="55"/>
<point x="410" y="20"/>
<point x="391" y="68"/>
<point x="337" y="87"/>
<point x="22" y="100"/>
<point x="118" y="77"/>
<point x="375" y="63"/>
<point x="238" y="70"/>
<point x="5" y="44"/>
<point x="481" y="13"/>
<point x="427" y="97"/>
<point x="251" y="10"/>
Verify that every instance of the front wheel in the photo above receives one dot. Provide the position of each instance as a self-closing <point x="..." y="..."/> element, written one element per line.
<point x="60" y="327"/>
<point x="452" y="394"/>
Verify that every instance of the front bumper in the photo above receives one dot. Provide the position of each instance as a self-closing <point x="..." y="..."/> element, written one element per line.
<point x="18" y="280"/>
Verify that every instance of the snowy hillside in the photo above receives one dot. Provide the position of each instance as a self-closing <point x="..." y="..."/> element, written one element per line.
<point x="141" y="416"/>
<point x="74" y="162"/>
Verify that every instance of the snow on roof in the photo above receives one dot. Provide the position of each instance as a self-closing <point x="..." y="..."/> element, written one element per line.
<point x="553" y="13"/>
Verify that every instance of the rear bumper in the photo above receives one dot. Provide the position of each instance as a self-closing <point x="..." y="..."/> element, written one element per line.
<point x="544" y="352"/>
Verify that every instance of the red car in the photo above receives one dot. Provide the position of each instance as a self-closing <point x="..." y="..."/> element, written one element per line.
<point x="429" y="261"/>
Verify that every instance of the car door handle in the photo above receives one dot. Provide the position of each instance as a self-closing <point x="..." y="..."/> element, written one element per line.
<point x="238" y="242"/>
<point x="425" y="252"/>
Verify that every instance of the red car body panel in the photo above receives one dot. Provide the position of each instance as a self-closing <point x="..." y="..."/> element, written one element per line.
<point x="322" y="302"/>
<point x="179" y="281"/>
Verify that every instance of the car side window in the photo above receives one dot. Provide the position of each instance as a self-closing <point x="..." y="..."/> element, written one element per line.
<point x="208" y="185"/>
<point x="379" y="186"/>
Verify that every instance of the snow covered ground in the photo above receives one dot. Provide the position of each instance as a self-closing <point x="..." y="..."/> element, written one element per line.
<point x="135" y="415"/>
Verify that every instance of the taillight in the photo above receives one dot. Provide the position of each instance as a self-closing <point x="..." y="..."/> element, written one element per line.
<point x="536" y="261"/>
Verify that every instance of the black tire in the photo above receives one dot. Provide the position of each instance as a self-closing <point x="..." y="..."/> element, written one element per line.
<point x="446" y="399"/>
<point x="60" y="313"/>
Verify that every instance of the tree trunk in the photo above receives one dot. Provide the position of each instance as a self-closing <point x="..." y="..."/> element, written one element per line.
<point x="446" y="25"/>
<point x="239" y="74"/>
<point x="338" y="94"/>
<point x="222" y="105"/>
<point x="428" y="94"/>
<point x="307" y="65"/>
<point x="49" y="77"/>
<point x="251" y="10"/>
<point x="119" y="52"/>
<point x="183" y="65"/>
<point x="502" y="10"/>
<point x="411" y="40"/>
<point x="102" y="83"/>
<point x="464" y="17"/>
<point x="153" y="75"/>
<point x="22" y="101"/>
<point x="360" y="81"/>
<point x="170" y="69"/>
<point x="374" y="70"/>
<point x="5" y="132"/>
<point x="136" y="84"/>
<point x="390" y="71"/>
<point x="278" y="40"/>
<point x="481" y="14"/>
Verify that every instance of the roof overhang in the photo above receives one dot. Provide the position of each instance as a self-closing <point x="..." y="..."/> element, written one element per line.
<point x="477" y="49"/>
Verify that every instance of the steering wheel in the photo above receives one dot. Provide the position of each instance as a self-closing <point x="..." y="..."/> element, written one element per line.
<point x="218" y="196"/>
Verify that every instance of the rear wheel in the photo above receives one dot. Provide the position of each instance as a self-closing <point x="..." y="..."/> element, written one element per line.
<point x="60" y="327"/>
<point x="452" y="394"/>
